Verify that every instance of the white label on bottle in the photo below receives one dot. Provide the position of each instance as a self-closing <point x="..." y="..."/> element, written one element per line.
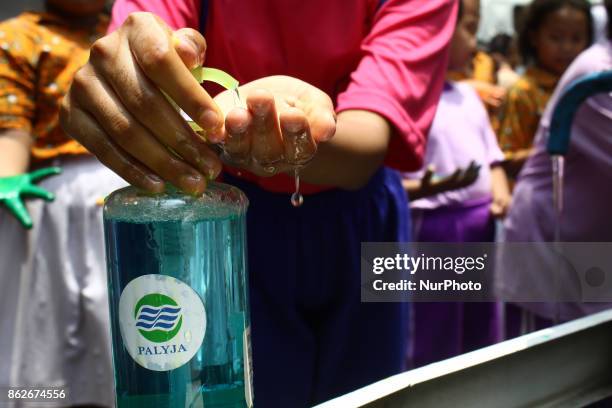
<point x="162" y="321"/>
<point x="248" y="367"/>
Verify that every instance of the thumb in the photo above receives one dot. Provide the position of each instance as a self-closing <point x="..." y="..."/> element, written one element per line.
<point x="190" y="45"/>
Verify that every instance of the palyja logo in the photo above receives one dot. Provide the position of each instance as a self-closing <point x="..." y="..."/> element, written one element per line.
<point x="158" y="317"/>
<point x="162" y="321"/>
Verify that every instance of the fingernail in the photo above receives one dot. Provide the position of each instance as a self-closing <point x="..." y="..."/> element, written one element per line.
<point x="260" y="109"/>
<point x="238" y="129"/>
<point x="215" y="136"/>
<point x="212" y="173"/>
<point x="191" y="183"/>
<point x="294" y="127"/>
<point x="210" y="120"/>
<point x="154" y="178"/>
<point x="156" y="184"/>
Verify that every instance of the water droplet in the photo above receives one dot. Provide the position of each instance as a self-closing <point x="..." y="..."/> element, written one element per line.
<point x="237" y="99"/>
<point x="297" y="199"/>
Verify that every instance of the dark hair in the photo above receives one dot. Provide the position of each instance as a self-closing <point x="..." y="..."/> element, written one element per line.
<point x="500" y="44"/>
<point x="460" y="12"/>
<point x="536" y="14"/>
<point x="608" y="5"/>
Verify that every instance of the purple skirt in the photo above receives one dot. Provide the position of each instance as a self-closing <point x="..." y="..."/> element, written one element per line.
<point x="441" y="330"/>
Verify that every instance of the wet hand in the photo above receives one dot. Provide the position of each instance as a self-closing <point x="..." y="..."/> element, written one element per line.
<point x="279" y="127"/>
<point x="117" y="109"/>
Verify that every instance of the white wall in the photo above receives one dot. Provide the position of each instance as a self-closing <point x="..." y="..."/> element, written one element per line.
<point x="496" y="17"/>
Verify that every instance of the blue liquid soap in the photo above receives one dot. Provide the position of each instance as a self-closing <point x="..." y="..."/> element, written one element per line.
<point x="178" y="295"/>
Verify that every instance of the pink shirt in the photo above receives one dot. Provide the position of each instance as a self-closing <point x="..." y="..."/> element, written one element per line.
<point x="587" y="196"/>
<point x="461" y="133"/>
<point x="390" y="59"/>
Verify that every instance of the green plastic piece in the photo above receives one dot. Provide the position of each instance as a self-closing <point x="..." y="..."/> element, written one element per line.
<point x="13" y="188"/>
<point x="217" y="76"/>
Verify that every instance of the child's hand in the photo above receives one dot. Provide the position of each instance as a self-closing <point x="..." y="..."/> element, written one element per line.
<point x="431" y="185"/>
<point x="502" y="198"/>
<point x="279" y="127"/>
<point x="117" y="107"/>
<point x="460" y="178"/>
<point x="492" y="95"/>
<point x="501" y="205"/>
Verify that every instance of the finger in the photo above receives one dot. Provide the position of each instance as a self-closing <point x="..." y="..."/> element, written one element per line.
<point x="456" y="176"/>
<point x="38" y="192"/>
<point x="135" y="93"/>
<point x="323" y="124"/>
<point x="190" y="46"/>
<point x="93" y="137"/>
<point x="137" y="142"/>
<point x="300" y="147"/>
<point x="320" y="113"/>
<point x="16" y="207"/>
<point x="472" y="171"/>
<point x="496" y="210"/>
<point x="238" y="142"/>
<point x="266" y="142"/>
<point x="44" y="172"/>
<point x="428" y="176"/>
<point x="151" y="44"/>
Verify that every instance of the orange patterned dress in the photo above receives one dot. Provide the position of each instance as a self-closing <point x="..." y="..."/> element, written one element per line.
<point x="39" y="55"/>
<point x="525" y="104"/>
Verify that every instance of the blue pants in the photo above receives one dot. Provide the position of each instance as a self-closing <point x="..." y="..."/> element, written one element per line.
<point x="312" y="337"/>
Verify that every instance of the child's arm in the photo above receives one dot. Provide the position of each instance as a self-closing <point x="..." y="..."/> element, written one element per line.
<point x="514" y="161"/>
<point x="500" y="191"/>
<point x="360" y="144"/>
<point x="14" y="152"/>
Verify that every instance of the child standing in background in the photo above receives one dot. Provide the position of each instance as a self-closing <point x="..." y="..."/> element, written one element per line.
<point x="586" y="206"/>
<point x="553" y="34"/>
<point x="54" y="327"/>
<point x="461" y="135"/>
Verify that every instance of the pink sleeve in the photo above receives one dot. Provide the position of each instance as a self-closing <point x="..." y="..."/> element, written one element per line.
<point x="176" y="13"/>
<point x="402" y="71"/>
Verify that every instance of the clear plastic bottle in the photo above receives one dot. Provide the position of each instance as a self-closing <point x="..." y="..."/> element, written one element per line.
<point x="178" y="294"/>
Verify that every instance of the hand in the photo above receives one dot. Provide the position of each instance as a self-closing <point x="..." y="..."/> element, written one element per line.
<point x="500" y="205"/>
<point x="500" y="190"/>
<point x="492" y="95"/>
<point x="460" y="178"/>
<point x="12" y="188"/>
<point x="279" y="129"/>
<point x="117" y="109"/>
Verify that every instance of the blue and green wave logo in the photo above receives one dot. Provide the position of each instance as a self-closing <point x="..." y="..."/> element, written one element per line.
<point x="158" y="317"/>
